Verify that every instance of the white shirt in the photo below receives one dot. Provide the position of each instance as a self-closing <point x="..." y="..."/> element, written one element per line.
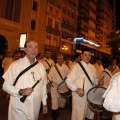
<point x="54" y="76"/>
<point x="115" y="69"/>
<point x="106" y="75"/>
<point x="31" y="106"/>
<point x="99" y="70"/>
<point x="112" y="94"/>
<point x="45" y="64"/>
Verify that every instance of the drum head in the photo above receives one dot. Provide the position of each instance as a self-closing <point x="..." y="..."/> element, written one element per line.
<point x="94" y="95"/>
<point x="63" y="90"/>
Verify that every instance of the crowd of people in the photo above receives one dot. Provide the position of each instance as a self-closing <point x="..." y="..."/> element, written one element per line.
<point x="35" y="76"/>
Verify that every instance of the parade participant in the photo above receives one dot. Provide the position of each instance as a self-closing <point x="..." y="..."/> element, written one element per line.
<point x="55" y="77"/>
<point x="112" y="97"/>
<point x="40" y="57"/>
<point x="68" y="61"/>
<point x="47" y="61"/>
<point x="29" y="110"/>
<point x="7" y="61"/>
<point x="77" y="58"/>
<point x="99" y="67"/>
<point x="106" y="74"/>
<point x="79" y="83"/>
<point x="115" y="67"/>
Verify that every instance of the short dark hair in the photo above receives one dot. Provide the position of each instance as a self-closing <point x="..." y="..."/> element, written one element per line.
<point x="108" y="63"/>
<point x="76" y="55"/>
<point x="97" y="58"/>
<point x="86" y="49"/>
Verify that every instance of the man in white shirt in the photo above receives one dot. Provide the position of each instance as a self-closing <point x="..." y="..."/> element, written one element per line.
<point x="77" y="58"/>
<point x="7" y="61"/>
<point x="112" y="97"/>
<point x="115" y="67"/>
<point x="99" y="67"/>
<point x="106" y="74"/>
<point x="47" y="61"/>
<point x="55" y="78"/>
<point x="29" y="110"/>
<point x="78" y="82"/>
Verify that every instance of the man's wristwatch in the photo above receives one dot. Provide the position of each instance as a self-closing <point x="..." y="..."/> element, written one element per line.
<point x="20" y="92"/>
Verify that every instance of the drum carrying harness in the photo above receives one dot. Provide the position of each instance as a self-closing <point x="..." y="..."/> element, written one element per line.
<point x="86" y="73"/>
<point x="68" y="93"/>
<point x="25" y="70"/>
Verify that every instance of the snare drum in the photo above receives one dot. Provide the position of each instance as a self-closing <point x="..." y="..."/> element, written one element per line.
<point x="63" y="90"/>
<point x="95" y="99"/>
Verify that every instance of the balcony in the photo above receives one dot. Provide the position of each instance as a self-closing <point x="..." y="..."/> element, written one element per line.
<point x="73" y="3"/>
<point x="56" y="32"/>
<point x="50" y="30"/>
<point x="50" y="47"/>
<point x="68" y="26"/>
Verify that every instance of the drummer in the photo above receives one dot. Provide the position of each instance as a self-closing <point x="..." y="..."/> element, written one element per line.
<point x="106" y="74"/>
<point x="79" y="83"/>
<point x="54" y="76"/>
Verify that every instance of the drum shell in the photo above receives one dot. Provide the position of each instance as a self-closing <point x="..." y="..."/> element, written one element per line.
<point x="93" y="105"/>
<point x="65" y="94"/>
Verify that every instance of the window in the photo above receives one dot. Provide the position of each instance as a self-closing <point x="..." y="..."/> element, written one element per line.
<point x="33" y="24"/>
<point x="55" y="41"/>
<point x="49" y="22"/>
<point x="23" y="37"/>
<point x="10" y="9"/>
<point x="51" y="9"/>
<point x="35" y="4"/>
<point x="57" y="25"/>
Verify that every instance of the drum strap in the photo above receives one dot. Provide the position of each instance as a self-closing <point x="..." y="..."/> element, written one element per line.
<point x="59" y="72"/>
<point x="113" y="69"/>
<point x="25" y="70"/>
<point x="48" y="63"/>
<point x="86" y="73"/>
<point x="107" y="73"/>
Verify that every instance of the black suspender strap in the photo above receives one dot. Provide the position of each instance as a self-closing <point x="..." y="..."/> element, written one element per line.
<point x="113" y="69"/>
<point x="107" y="73"/>
<point x="59" y="72"/>
<point x="48" y="63"/>
<point x="25" y="70"/>
<point x="86" y="73"/>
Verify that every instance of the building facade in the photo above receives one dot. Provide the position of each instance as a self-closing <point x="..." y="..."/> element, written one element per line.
<point x="21" y="16"/>
<point x="55" y="24"/>
<point x="95" y="22"/>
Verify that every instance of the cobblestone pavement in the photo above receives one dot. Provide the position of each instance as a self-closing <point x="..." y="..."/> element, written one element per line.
<point x="65" y="114"/>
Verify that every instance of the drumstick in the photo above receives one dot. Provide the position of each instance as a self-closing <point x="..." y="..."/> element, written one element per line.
<point x="22" y="99"/>
<point x="83" y="83"/>
<point x="99" y="83"/>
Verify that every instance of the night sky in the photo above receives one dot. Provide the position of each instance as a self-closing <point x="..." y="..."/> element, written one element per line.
<point x="117" y="13"/>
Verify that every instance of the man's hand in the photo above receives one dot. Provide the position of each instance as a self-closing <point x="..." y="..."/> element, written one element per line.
<point x="45" y="109"/>
<point x="80" y="92"/>
<point x="27" y="91"/>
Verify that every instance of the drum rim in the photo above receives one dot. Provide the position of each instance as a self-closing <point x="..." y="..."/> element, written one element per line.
<point x="89" y="100"/>
<point x="59" y="86"/>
